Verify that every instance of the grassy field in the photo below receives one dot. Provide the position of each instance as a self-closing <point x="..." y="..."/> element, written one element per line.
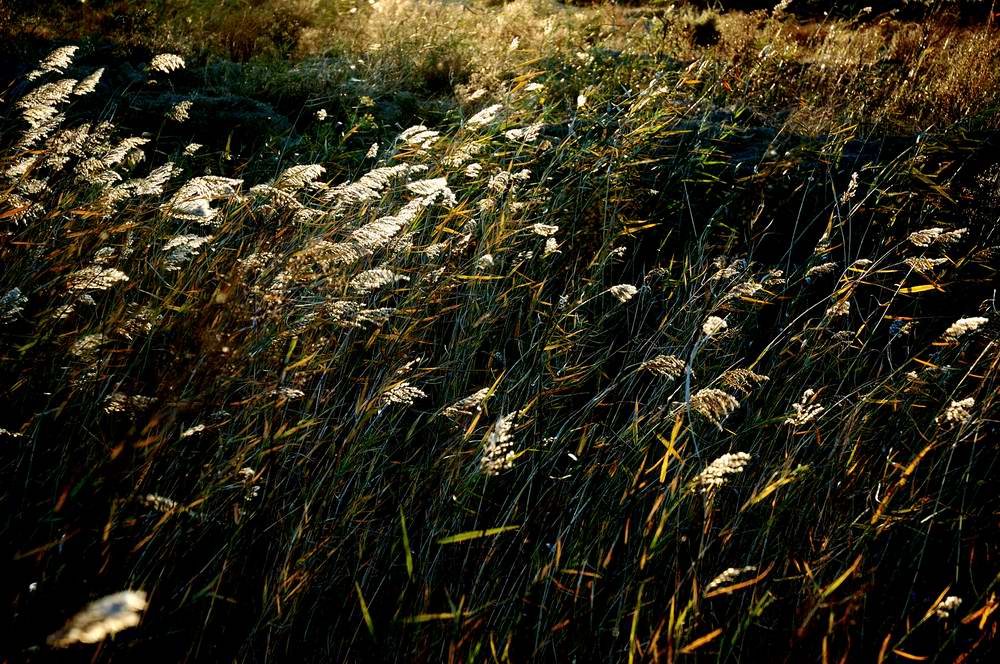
<point x="465" y="331"/>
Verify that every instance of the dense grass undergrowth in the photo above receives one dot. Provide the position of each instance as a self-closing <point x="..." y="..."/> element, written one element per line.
<point x="524" y="332"/>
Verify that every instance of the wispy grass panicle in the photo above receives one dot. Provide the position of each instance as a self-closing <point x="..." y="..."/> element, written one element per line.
<point x="713" y="326"/>
<point x="41" y="104"/>
<point x="466" y="406"/>
<point x="947" y="606"/>
<point x="498" y="452"/>
<point x="623" y="292"/>
<point x="807" y="410"/>
<point x="58" y="61"/>
<point x="717" y="473"/>
<point x="957" y="412"/>
<point x="667" y="366"/>
<point x="727" y="576"/>
<point x="102" y="618"/>
<point x="167" y="63"/>
<point x="964" y="326"/>
<point x="714" y="405"/>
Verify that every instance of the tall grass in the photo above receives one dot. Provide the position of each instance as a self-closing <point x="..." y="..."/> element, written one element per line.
<point x="608" y="356"/>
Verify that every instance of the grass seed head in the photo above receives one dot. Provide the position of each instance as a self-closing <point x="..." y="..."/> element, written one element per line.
<point x="166" y="63"/>
<point x="947" y="606"/>
<point x="58" y="60"/>
<point x="717" y="473"/>
<point x="713" y="325"/>
<point x="623" y="292"/>
<point x="101" y="618"/>
<point x="498" y="450"/>
<point x="667" y="366"/>
<point x="963" y="326"/>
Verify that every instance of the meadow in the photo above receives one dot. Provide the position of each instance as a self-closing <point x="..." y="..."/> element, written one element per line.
<point x="521" y="331"/>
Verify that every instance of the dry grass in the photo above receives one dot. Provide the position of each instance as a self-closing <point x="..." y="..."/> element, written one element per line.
<point x="597" y="346"/>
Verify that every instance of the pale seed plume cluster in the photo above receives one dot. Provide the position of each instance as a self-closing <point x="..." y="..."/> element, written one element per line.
<point x="102" y="618"/>
<point x="728" y="576"/>
<point x="717" y="473"/>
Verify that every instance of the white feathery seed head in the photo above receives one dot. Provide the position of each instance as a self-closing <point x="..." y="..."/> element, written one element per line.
<point x="484" y="117"/>
<point x="89" y="83"/>
<point x="957" y="412"/>
<point x="95" y="278"/>
<point x="39" y="105"/>
<point x="419" y="136"/>
<point x="717" y="473"/>
<point x="58" y="60"/>
<point x="714" y="325"/>
<point x="368" y="187"/>
<point x="821" y="270"/>
<point x="466" y="406"/>
<point x="297" y="177"/>
<point x="527" y="134"/>
<point x="180" y="111"/>
<point x="161" y="503"/>
<point x="545" y="230"/>
<point x="963" y="326"/>
<point x="947" y="606"/>
<point x="401" y="393"/>
<point x="623" y="292"/>
<point x="743" y="380"/>
<point x="372" y="280"/>
<point x="101" y="618"/>
<point x="433" y="190"/>
<point x="119" y="402"/>
<point x="922" y="264"/>
<point x="667" y="366"/>
<point x="924" y="238"/>
<point x="841" y="308"/>
<point x="714" y="404"/>
<point x="166" y="63"/>
<point x="805" y="411"/>
<point x="498" y="448"/>
<point x="352" y="315"/>
<point x="192" y="202"/>
<point x="929" y="236"/>
<point x="729" y="575"/>
<point x="484" y="262"/>
<point x="182" y="248"/>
